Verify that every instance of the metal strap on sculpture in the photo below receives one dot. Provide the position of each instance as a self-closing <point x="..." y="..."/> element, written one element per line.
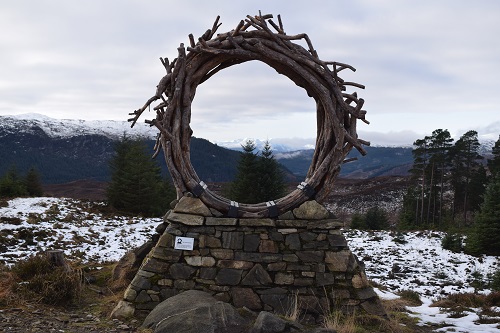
<point x="256" y="38"/>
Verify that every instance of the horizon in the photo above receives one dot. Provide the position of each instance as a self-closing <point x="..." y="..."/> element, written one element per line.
<point x="381" y="139"/>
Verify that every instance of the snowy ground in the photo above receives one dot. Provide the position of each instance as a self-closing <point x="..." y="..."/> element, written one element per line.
<point x="30" y="225"/>
<point x="411" y="261"/>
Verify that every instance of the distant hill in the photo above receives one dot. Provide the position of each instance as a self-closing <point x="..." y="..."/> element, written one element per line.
<point x="65" y="151"/>
<point x="68" y="150"/>
<point x="380" y="161"/>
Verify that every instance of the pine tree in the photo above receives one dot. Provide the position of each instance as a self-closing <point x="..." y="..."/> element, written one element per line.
<point x="465" y="170"/>
<point x="259" y="178"/>
<point x="136" y="183"/>
<point x="486" y="233"/>
<point x="243" y="188"/>
<point x="271" y="184"/>
<point x="420" y="176"/>
<point x="494" y="163"/>
<point x="12" y="185"/>
<point x="33" y="183"/>
<point x="441" y="143"/>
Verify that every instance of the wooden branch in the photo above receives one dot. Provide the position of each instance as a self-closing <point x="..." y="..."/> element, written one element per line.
<point x="256" y="38"/>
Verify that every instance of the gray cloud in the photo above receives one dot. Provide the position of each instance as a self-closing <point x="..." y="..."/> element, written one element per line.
<point x="425" y="64"/>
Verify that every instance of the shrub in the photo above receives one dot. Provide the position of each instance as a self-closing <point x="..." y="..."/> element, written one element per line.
<point x="411" y="296"/>
<point x="452" y="242"/>
<point x="495" y="280"/>
<point x="376" y="219"/>
<point x="358" y="221"/>
<point x="43" y="281"/>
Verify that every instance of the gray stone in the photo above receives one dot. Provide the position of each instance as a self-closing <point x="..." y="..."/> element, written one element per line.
<point x="303" y="282"/>
<point x="141" y="283"/>
<point x="257" y="223"/>
<point x="308" y="236"/>
<point x="276" y="236"/>
<point x="365" y="293"/>
<point x="252" y="242"/>
<point x="232" y="240"/>
<point x="325" y="224"/>
<point x="283" y="278"/>
<point x="221" y="221"/>
<point x="208" y="273"/>
<point x="268" y="246"/>
<point x="272" y="291"/>
<point x="288" y="215"/>
<point x="374" y="307"/>
<point x="193" y="311"/>
<point x="184" y="284"/>
<point x="194" y="206"/>
<point x="228" y="276"/>
<point x="290" y="257"/>
<point x="166" y="254"/>
<point x="143" y="297"/>
<point x="276" y="266"/>
<point x="123" y="310"/>
<point x="337" y="240"/>
<point x="293" y="242"/>
<point x="212" y="242"/>
<point x="311" y="210"/>
<point x="258" y="257"/>
<point x="245" y="297"/>
<point x="222" y="253"/>
<point x="311" y="256"/>
<point x="200" y="261"/>
<point x="181" y="271"/>
<point x="279" y="303"/>
<point x="291" y="223"/>
<point x="236" y="264"/>
<point x="186" y="219"/>
<point x="130" y="294"/>
<point x="146" y="306"/>
<point x="166" y="240"/>
<point x="155" y="265"/>
<point x="338" y="261"/>
<point x="324" y="279"/>
<point x="267" y="322"/>
<point x="257" y="277"/>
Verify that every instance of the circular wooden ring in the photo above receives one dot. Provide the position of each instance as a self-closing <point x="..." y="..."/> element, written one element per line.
<point x="337" y="112"/>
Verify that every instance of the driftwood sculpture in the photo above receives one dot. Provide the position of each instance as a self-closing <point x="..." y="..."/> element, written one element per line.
<point x="256" y="38"/>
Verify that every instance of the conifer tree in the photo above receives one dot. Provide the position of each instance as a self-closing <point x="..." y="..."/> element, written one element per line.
<point x="243" y="188"/>
<point x="466" y="170"/>
<point x="494" y="163"/>
<point x="11" y="184"/>
<point x="136" y="183"/>
<point x="485" y="238"/>
<point x="271" y="184"/>
<point x="259" y="178"/>
<point x="33" y="183"/>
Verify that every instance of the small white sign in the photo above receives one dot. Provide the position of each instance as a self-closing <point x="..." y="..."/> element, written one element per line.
<point x="184" y="243"/>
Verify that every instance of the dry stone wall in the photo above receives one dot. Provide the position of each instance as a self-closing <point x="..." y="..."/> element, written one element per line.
<point x="299" y="259"/>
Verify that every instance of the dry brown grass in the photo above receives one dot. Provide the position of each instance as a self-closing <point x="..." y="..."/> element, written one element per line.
<point x="469" y="300"/>
<point x="8" y="297"/>
<point x="340" y="322"/>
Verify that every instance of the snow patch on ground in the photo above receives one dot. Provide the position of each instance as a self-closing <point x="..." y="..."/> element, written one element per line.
<point x="396" y="261"/>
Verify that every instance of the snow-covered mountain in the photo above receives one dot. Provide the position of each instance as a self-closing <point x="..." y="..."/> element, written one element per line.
<point x="278" y="145"/>
<point x="65" y="128"/>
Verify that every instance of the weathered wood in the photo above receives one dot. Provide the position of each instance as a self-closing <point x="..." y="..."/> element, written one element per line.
<point x="337" y="111"/>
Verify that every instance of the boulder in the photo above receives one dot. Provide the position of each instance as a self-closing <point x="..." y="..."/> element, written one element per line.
<point x="311" y="210"/>
<point x="267" y="322"/>
<point x="194" y="311"/>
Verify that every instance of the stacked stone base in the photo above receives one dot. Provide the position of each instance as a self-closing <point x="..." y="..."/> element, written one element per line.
<point x="299" y="262"/>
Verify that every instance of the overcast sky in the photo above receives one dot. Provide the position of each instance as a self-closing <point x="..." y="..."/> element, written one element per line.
<point x="426" y="64"/>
